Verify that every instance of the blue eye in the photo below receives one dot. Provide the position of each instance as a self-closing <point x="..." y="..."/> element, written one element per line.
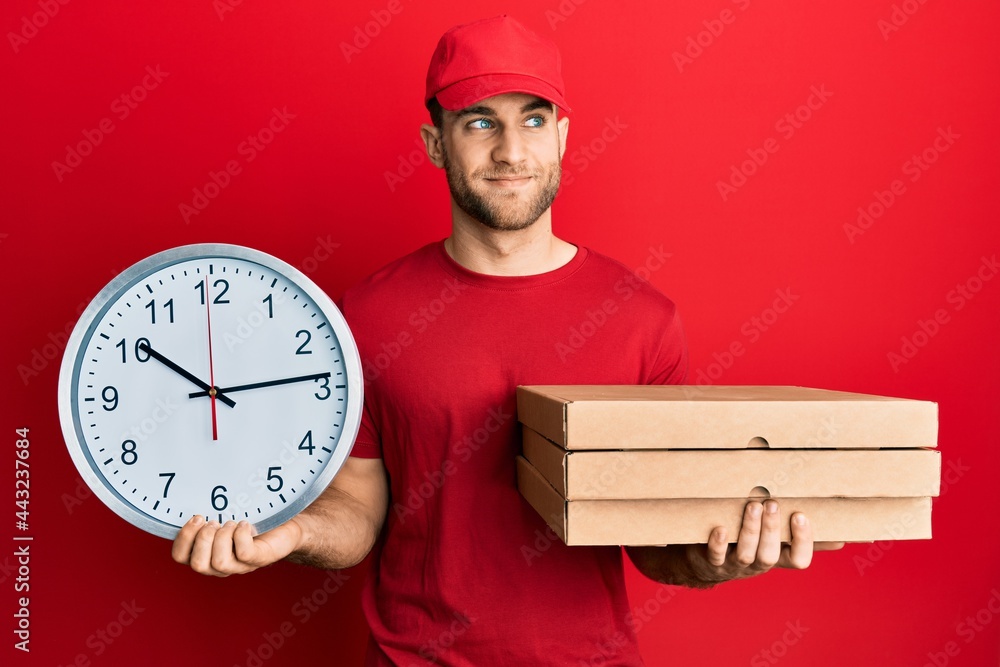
<point x="535" y="121"/>
<point x="481" y="124"/>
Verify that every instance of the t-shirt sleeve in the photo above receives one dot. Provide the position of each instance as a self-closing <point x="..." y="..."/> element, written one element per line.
<point x="671" y="364"/>
<point x="368" y="444"/>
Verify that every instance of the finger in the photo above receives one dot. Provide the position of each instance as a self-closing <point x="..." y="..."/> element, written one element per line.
<point x="718" y="547"/>
<point x="201" y="552"/>
<point x="246" y="549"/>
<point x="769" y="546"/>
<point x="799" y="553"/>
<point x="827" y="546"/>
<point x="181" y="550"/>
<point x="223" y="559"/>
<point x="746" y="546"/>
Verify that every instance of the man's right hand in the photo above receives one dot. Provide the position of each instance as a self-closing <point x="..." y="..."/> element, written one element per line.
<point x="336" y="531"/>
<point x="221" y="550"/>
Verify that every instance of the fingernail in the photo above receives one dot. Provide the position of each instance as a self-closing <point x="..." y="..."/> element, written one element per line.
<point x="243" y="523"/>
<point x="197" y="519"/>
<point x="755" y="510"/>
<point x="800" y="519"/>
<point x="771" y="507"/>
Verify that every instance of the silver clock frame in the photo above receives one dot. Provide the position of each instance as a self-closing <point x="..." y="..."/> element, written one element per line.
<point x="69" y="374"/>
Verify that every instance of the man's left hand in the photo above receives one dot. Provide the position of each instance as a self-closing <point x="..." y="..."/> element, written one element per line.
<point x="758" y="547"/>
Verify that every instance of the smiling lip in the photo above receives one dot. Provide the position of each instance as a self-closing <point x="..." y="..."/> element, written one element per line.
<point x="509" y="181"/>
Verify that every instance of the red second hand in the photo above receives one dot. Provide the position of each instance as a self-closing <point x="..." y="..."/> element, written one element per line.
<point x="211" y="369"/>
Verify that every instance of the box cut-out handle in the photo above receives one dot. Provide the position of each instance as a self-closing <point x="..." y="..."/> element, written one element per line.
<point x="758" y="442"/>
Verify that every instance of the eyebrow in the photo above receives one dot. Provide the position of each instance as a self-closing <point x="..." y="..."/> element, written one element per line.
<point x="483" y="110"/>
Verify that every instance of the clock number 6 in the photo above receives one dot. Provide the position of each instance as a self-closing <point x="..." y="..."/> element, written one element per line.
<point x="219" y="500"/>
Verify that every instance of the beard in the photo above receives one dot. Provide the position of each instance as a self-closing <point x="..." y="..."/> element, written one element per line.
<point x="503" y="210"/>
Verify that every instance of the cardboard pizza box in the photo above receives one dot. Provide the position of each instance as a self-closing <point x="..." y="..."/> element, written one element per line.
<point x="723" y="417"/>
<point x="690" y="520"/>
<point x="734" y="473"/>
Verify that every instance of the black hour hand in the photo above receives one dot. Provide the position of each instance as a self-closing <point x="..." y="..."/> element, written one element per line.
<point x="183" y="373"/>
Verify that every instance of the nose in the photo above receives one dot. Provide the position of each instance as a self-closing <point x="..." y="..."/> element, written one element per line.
<point x="510" y="147"/>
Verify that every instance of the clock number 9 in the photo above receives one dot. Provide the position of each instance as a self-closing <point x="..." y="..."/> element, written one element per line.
<point x="219" y="500"/>
<point x="129" y="455"/>
<point x="112" y="400"/>
<point x="140" y="356"/>
<point x="200" y="288"/>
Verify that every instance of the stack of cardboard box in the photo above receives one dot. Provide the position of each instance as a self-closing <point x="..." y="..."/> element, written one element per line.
<point x="647" y="465"/>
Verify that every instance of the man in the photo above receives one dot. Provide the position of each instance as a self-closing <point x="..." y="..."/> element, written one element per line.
<point x="458" y="576"/>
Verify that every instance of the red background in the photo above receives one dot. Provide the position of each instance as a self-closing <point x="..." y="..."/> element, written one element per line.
<point x="670" y="134"/>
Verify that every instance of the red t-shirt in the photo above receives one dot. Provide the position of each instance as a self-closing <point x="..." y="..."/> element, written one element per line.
<point x="465" y="571"/>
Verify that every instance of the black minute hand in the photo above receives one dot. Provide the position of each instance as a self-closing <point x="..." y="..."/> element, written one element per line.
<point x="180" y="371"/>
<point x="268" y="383"/>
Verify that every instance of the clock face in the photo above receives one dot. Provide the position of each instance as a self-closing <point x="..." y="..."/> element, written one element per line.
<point x="214" y="380"/>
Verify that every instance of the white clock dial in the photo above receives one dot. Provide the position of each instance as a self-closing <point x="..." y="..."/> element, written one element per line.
<point x="213" y="380"/>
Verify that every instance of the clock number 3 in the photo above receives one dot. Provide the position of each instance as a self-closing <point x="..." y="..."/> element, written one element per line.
<point x="324" y="387"/>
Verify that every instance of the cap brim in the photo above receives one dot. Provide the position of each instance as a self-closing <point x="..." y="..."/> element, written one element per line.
<point x="467" y="92"/>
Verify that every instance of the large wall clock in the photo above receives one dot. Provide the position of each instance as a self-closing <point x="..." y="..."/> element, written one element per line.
<point x="210" y="379"/>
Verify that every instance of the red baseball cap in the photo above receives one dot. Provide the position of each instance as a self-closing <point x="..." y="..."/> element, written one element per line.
<point x="491" y="57"/>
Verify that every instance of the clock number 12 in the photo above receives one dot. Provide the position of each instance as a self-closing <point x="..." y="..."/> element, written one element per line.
<point x="221" y="282"/>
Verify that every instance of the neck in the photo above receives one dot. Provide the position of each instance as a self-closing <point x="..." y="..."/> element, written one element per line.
<point x="524" y="252"/>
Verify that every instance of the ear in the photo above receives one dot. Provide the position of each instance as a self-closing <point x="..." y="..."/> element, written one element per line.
<point x="563" y="125"/>
<point x="432" y="141"/>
